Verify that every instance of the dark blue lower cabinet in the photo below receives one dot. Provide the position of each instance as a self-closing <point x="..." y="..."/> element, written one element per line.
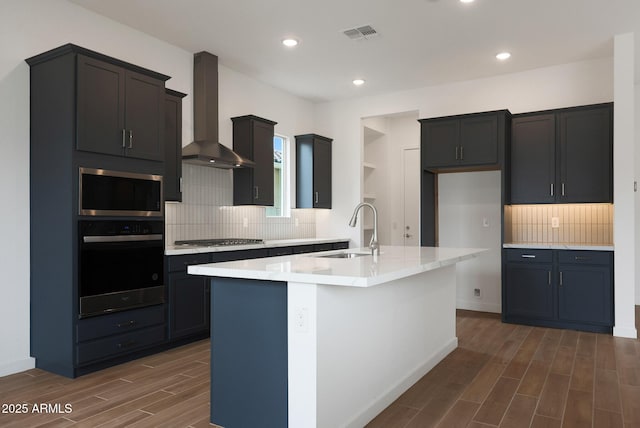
<point x="529" y="290"/>
<point x="249" y="365"/>
<point x="559" y="288"/>
<point x="585" y="294"/>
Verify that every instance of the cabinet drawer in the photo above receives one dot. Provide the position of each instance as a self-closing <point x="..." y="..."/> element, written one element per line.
<point x="121" y="322"/>
<point x="229" y="256"/>
<point x="341" y="245"/>
<point x="529" y="256"/>
<point x="301" y="249"/>
<point x="180" y="263"/>
<point x="120" y="344"/>
<point x="322" y="247"/>
<point x="585" y="257"/>
<point x="279" y="251"/>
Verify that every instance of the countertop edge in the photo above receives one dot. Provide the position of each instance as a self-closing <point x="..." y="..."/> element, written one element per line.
<point x="173" y="250"/>
<point x="542" y="246"/>
<point x="233" y="270"/>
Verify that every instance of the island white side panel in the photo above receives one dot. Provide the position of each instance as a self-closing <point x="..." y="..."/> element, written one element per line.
<point x="302" y="352"/>
<point x="374" y="343"/>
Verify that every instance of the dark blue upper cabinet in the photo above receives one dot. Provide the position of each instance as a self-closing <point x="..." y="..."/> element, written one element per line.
<point x="468" y="142"/>
<point x="313" y="171"/>
<point x="253" y="139"/>
<point x="562" y="156"/>
<point x="120" y="111"/>
<point x="533" y="168"/>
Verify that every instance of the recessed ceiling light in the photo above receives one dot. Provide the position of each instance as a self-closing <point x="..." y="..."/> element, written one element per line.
<point x="290" y="42"/>
<point x="358" y="82"/>
<point x="503" y="55"/>
<point x="467" y="1"/>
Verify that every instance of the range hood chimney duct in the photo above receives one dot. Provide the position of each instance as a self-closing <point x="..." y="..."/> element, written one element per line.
<point x="206" y="149"/>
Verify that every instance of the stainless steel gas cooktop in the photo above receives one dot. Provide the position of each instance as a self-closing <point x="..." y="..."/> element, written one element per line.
<point x="219" y="242"/>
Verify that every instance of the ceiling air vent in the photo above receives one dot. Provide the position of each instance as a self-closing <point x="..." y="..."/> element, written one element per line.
<point x="364" y="32"/>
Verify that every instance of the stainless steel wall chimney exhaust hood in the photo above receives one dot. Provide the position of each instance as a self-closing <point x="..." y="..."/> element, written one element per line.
<point x="206" y="150"/>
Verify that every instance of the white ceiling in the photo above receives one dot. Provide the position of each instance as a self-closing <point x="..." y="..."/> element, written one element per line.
<point x="420" y="42"/>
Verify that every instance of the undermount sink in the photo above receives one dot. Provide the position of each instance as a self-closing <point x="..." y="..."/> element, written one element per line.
<point x="343" y="255"/>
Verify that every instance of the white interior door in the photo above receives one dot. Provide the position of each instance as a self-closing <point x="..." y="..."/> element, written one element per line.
<point x="411" y="196"/>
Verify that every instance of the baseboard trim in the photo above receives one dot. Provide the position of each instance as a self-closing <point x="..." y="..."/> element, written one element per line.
<point x="17" y="366"/>
<point x="471" y="305"/>
<point x="628" y="332"/>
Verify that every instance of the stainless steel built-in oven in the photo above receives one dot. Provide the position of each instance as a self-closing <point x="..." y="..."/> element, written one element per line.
<point x="120" y="265"/>
<point x="118" y="193"/>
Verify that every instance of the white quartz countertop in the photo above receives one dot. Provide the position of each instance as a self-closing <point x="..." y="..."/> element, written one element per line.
<point x="174" y="250"/>
<point x="568" y="246"/>
<point x="364" y="271"/>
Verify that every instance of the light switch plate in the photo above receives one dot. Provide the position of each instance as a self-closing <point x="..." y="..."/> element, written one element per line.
<point x="555" y="222"/>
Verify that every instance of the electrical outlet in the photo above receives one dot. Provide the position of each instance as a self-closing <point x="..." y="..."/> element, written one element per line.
<point x="245" y="222"/>
<point x="485" y="222"/>
<point x="301" y="320"/>
<point x="555" y="222"/>
<point x="476" y="292"/>
<point x="296" y="221"/>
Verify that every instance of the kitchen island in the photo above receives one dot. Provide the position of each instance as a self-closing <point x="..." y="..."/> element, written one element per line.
<point x="327" y="339"/>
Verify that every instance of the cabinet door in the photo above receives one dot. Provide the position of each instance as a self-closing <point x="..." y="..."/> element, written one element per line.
<point x="188" y="305"/>
<point x="321" y="173"/>
<point x="101" y="107"/>
<point x="533" y="159"/>
<point x="479" y="140"/>
<point x="530" y="290"/>
<point x="263" y="157"/>
<point x="586" y="156"/>
<point x="439" y="143"/>
<point x="173" y="148"/>
<point x="585" y="294"/>
<point x="144" y="117"/>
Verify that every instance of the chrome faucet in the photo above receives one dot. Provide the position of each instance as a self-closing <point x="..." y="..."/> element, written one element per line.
<point x="373" y="244"/>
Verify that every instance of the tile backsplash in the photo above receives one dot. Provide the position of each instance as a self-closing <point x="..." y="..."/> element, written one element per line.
<point x="207" y="211"/>
<point x="577" y="224"/>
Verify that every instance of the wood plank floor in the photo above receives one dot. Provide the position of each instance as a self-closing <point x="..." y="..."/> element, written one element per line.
<point x="501" y="375"/>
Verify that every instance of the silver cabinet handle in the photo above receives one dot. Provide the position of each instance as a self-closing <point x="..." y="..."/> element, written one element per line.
<point x="316" y="198"/>
<point x="180" y="184"/>
<point x="528" y="256"/>
<point x="562" y="189"/>
<point x="457" y="148"/>
<point x="549" y="280"/>
<point x="124" y="131"/>
<point x="130" y="139"/>
<point x="256" y="192"/>
<point x="551" y="189"/>
<point x="461" y="152"/>
<point x="560" y="278"/>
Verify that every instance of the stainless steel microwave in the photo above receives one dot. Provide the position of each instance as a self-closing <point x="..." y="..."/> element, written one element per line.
<point x="117" y="193"/>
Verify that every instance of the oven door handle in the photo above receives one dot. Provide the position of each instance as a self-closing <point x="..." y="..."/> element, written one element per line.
<point x="122" y="238"/>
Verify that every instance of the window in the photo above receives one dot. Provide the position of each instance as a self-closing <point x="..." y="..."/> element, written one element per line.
<point x="280" y="206"/>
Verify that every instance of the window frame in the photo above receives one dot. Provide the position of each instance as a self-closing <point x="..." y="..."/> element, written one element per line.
<point x="285" y="178"/>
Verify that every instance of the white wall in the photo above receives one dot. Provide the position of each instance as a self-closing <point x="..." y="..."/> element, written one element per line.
<point x="465" y="201"/>
<point x="545" y="88"/>
<point x="29" y="27"/>
<point x="623" y="177"/>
